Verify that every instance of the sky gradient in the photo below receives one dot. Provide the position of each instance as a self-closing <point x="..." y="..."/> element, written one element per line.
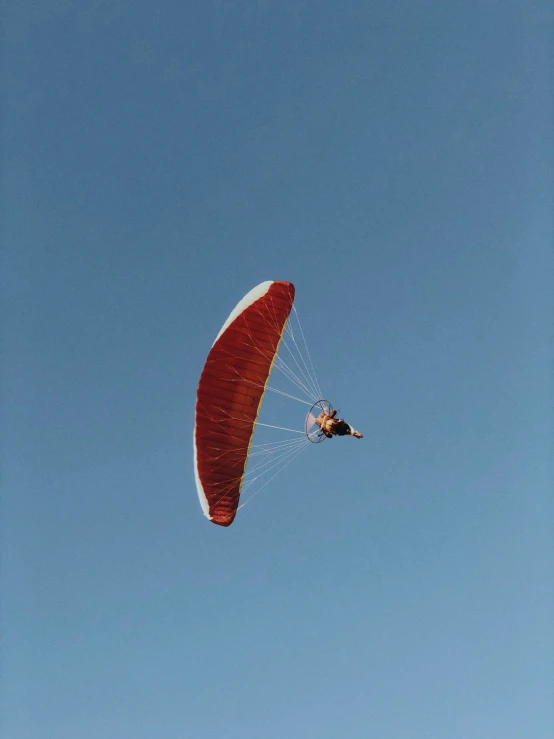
<point x="394" y="161"/>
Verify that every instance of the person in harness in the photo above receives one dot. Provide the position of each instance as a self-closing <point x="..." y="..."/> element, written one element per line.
<point x="332" y="426"/>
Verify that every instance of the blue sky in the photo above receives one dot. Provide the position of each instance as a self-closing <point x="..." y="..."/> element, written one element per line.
<point x="391" y="159"/>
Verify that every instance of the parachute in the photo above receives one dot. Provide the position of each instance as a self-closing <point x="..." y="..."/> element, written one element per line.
<point x="259" y="334"/>
<point x="230" y="394"/>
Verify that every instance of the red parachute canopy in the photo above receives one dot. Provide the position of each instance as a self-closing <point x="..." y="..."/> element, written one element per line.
<point x="230" y="393"/>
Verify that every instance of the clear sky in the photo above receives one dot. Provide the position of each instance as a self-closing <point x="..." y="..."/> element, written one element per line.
<point x="393" y="159"/>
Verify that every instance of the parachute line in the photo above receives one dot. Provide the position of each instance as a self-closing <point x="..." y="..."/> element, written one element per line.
<point x="320" y="394"/>
<point x="269" y="426"/>
<point x="302" y="448"/>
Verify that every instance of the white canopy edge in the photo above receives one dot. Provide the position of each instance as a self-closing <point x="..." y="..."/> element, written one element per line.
<point x="255" y="294"/>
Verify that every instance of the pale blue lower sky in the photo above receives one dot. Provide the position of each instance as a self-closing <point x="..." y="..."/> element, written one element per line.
<point x="394" y="161"/>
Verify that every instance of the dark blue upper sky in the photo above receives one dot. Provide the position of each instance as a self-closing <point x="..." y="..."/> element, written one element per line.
<point x="393" y="160"/>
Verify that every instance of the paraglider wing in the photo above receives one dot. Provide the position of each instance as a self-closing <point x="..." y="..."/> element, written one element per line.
<point x="230" y="393"/>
